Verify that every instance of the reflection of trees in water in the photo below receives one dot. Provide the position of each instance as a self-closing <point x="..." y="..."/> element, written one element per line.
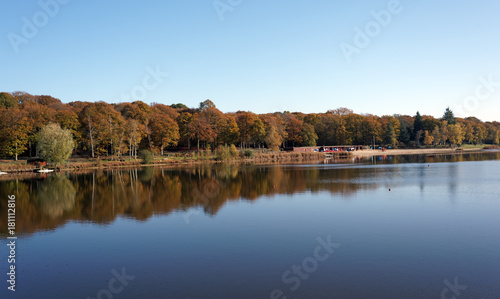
<point x="452" y="178"/>
<point x="56" y="195"/>
<point x="103" y="195"/>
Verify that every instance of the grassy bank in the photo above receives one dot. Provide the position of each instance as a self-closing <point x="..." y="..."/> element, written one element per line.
<point x="177" y="159"/>
<point x="207" y="157"/>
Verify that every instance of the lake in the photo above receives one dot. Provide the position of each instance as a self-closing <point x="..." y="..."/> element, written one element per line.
<point x="381" y="227"/>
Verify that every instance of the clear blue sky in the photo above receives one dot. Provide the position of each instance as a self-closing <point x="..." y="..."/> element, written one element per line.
<point x="264" y="56"/>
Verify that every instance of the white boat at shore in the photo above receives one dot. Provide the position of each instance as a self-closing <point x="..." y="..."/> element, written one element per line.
<point x="1" y="172"/>
<point x="44" y="170"/>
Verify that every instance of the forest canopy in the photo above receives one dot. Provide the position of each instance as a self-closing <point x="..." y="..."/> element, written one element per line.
<point x="102" y="129"/>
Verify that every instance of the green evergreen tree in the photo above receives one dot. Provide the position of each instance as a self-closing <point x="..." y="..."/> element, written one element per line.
<point x="449" y="117"/>
<point x="390" y="134"/>
<point x="404" y="134"/>
<point x="418" y="124"/>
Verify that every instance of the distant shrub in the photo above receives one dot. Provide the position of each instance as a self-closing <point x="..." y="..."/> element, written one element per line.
<point x="223" y="152"/>
<point x="147" y="157"/>
<point x="248" y="153"/>
<point x="233" y="151"/>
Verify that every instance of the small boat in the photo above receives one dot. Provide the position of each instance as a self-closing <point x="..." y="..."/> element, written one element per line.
<point x="1" y="172"/>
<point x="44" y="170"/>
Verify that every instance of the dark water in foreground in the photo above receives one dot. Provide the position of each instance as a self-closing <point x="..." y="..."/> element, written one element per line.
<point x="296" y="231"/>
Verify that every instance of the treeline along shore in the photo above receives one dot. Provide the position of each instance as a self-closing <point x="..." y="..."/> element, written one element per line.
<point x="119" y="132"/>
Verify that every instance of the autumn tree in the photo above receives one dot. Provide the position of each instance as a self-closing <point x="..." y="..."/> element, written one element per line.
<point x="294" y="129"/>
<point x="455" y="134"/>
<point x="273" y="139"/>
<point x="167" y="110"/>
<point x="309" y="136"/>
<point x="134" y="136"/>
<point x="492" y="133"/>
<point x="436" y="135"/>
<point x="341" y="111"/>
<point x="207" y="104"/>
<point x="372" y="128"/>
<point x="23" y="97"/>
<point x="164" y="130"/>
<point x="274" y="131"/>
<point x="68" y="119"/>
<point x="38" y="115"/>
<point x="469" y="132"/>
<point x="214" y="118"/>
<point x="257" y="132"/>
<point x="443" y="131"/>
<point x="199" y="129"/>
<point x="479" y="133"/>
<point x="330" y="129"/>
<point x="429" y="122"/>
<point x="15" y="127"/>
<point x="104" y="126"/>
<point x="428" y="138"/>
<point x="355" y="131"/>
<point x="312" y="119"/>
<point x="7" y="100"/>
<point x="245" y="121"/>
<point x="228" y="131"/>
<point x="183" y="121"/>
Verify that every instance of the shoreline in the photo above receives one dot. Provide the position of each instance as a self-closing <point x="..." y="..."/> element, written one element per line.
<point x="422" y="151"/>
<point x="260" y="159"/>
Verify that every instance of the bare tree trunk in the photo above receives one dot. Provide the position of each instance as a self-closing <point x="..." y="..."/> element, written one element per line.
<point x="130" y="149"/>
<point x="149" y="140"/>
<point x="91" y="132"/>
<point x="111" y="138"/>
<point x="121" y="144"/>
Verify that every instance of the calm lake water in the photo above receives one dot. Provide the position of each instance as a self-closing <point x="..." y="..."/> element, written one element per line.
<point x="384" y="227"/>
